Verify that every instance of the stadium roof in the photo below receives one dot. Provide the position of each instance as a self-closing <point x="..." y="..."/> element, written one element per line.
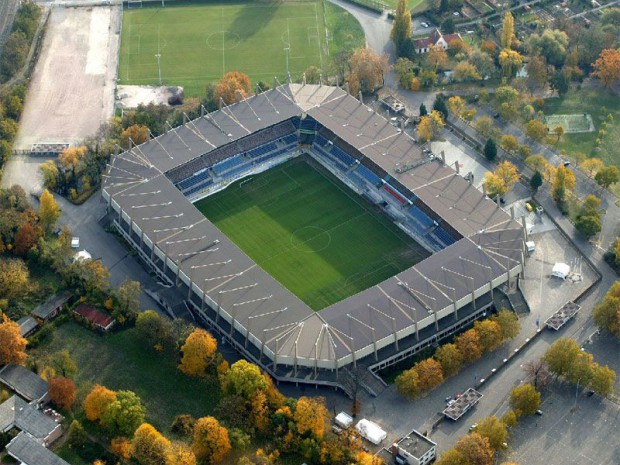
<point x="270" y="315"/>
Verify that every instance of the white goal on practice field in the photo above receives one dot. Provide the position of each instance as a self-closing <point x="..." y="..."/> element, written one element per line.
<point x="134" y="3"/>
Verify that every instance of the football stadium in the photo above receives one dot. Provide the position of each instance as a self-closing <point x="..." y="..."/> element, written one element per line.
<point x="311" y="234"/>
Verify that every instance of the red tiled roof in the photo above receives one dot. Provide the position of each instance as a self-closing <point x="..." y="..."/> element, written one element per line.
<point x="424" y="43"/>
<point x="450" y="37"/>
<point x="94" y="315"/>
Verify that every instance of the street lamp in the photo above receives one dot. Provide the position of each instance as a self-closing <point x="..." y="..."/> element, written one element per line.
<point x="158" y="56"/>
<point x="286" y="50"/>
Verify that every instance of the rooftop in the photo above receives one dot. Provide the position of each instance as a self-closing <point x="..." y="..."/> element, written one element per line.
<point x="16" y="412"/>
<point x="563" y="315"/>
<point x="24" y="382"/>
<point x="28" y="451"/>
<point x="416" y="444"/>
<point x="95" y="316"/>
<point x="44" y="310"/>
<point x="462" y="404"/>
<point x="26" y="325"/>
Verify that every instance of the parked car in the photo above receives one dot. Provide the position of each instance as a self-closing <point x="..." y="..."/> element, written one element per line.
<point x="75" y="242"/>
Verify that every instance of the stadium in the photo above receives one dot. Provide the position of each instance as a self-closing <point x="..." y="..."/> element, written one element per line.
<point x="470" y="245"/>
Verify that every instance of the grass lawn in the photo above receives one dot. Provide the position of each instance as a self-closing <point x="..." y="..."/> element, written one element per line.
<point x="197" y="44"/>
<point x="590" y="100"/>
<point x="123" y="361"/>
<point x="311" y="233"/>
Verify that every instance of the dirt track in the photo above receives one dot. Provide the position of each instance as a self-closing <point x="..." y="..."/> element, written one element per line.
<point x="72" y="88"/>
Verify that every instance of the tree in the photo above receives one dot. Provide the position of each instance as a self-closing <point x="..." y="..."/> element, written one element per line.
<point x="25" y="239"/>
<point x="408" y="384"/>
<point x="437" y="58"/>
<point x="607" y="176"/>
<point x="311" y="415"/>
<point x="607" y="313"/>
<point x="501" y="180"/>
<point x="150" y="447"/>
<point x="506" y="94"/>
<point x="430" y="126"/>
<point x="540" y="164"/>
<point x="97" y="402"/>
<point x="154" y="329"/>
<point x="524" y="399"/>
<point x="592" y="166"/>
<point x="401" y="28"/>
<point x="450" y="358"/>
<point x="563" y="181"/>
<point x="313" y="75"/>
<point x="135" y="134"/>
<point x="128" y="296"/>
<point x="561" y="356"/>
<point x="537" y="73"/>
<point x="210" y="443"/>
<point x="49" y="212"/>
<point x="366" y="70"/>
<point x="511" y="62"/>
<point x="452" y="457"/>
<point x="233" y="87"/>
<point x="440" y="105"/>
<point x="180" y="454"/>
<point x="76" y="435"/>
<point x="508" y="31"/>
<point x="456" y="105"/>
<point x="14" y="54"/>
<point x="602" y="381"/>
<point x="87" y="276"/>
<point x="183" y="425"/>
<point x="423" y="110"/>
<point x="430" y="374"/>
<point x="494" y="430"/>
<point x="476" y="449"/>
<point x="536" y="130"/>
<point x="404" y="70"/>
<point x="588" y="225"/>
<point x="536" y="181"/>
<point x="485" y="126"/>
<point x="50" y="174"/>
<point x="508" y="323"/>
<point x="124" y="415"/>
<point x="538" y="372"/>
<point x="607" y="67"/>
<point x="469" y="345"/>
<point x="122" y="448"/>
<point x="551" y="44"/>
<point x="465" y="71"/>
<point x="62" y="392"/>
<point x="490" y="334"/>
<point x="558" y="131"/>
<point x="559" y="82"/>
<point x="244" y="379"/>
<point x="63" y="364"/>
<point x="509" y="143"/>
<point x="198" y="351"/>
<point x="12" y="344"/>
<point x="71" y="157"/>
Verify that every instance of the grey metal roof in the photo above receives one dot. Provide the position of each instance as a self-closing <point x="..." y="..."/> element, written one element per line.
<point x="16" y="412"/>
<point x="27" y="384"/>
<point x="44" y="310"/>
<point x="138" y="184"/>
<point x="27" y="450"/>
<point x="26" y="325"/>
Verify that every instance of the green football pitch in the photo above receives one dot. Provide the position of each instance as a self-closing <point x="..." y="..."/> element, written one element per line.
<point x="193" y="44"/>
<point x="310" y="232"/>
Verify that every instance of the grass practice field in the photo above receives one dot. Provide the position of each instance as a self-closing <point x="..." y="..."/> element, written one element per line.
<point x="570" y="123"/>
<point x="311" y="233"/>
<point x="198" y="43"/>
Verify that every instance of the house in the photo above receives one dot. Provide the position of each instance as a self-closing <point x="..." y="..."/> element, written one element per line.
<point x="17" y="413"/>
<point x="436" y="39"/>
<point x="414" y="449"/>
<point x="25" y="383"/>
<point x="51" y="308"/>
<point x="98" y="318"/>
<point x="27" y="451"/>
<point x="27" y="326"/>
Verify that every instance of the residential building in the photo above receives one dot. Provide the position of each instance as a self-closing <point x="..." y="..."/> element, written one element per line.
<point x="25" y="383"/>
<point x="436" y="39"/>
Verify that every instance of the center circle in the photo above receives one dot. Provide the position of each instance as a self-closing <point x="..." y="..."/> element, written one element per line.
<point x="223" y="40"/>
<point x="311" y="236"/>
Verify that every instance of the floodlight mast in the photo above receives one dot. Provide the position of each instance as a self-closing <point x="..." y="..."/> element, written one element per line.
<point x="158" y="57"/>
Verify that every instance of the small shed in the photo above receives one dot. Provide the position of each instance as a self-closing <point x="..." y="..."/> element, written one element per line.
<point x="560" y="270"/>
<point x="371" y="431"/>
<point x="51" y="307"/>
<point x="27" y="326"/>
<point x="343" y="420"/>
<point x="95" y="316"/>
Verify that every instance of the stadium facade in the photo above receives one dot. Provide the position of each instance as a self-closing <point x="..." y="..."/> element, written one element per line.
<point x="476" y="246"/>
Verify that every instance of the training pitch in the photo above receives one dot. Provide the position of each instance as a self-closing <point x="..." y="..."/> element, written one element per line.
<point x="192" y="45"/>
<point x="311" y="233"/>
<point x="570" y="123"/>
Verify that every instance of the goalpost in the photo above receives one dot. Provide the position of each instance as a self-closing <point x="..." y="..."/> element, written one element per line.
<point x="134" y="3"/>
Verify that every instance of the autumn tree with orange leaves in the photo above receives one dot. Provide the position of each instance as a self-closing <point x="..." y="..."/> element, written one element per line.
<point x="607" y="67"/>
<point x="210" y="443"/>
<point x="62" y="392"/>
<point x="366" y="70"/>
<point x="233" y="87"/>
<point x="469" y="345"/>
<point x="199" y="351"/>
<point x="25" y="239"/>
<point x="12" y="344"/>
<point x="137" y="133"/>
<point x="122" y="448"/>
<point x="311" y="415"/>
<point x="150" y="447"/>
<point x="97" y="401"/>
<point x="430" y="373"/>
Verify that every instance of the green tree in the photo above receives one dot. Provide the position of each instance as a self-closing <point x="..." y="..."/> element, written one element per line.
<point x="50" y="174"/>
<point x="441" y="106"/>
<point x="448" y="26"/>
<point x="561" y="356"/>
<point x="559" y="82"/>
<point x="607" y="176"/>
<point x="450" y="358"/>
<point x="607" y="313"/>
<point x="508" y="323"/>
<point x="76" y="435"/>
<point x="588" y="225"/>
<point x="509" y="143"/>
<point x="511" y="62"/>
<point x="128" y="296"/>
<point x="525" y="399"/>
<point x="423" y="110"/>
<point x="508" y="31"/>
<point x="244" y="379"/>
<point x="123" y="416"/>
<point x="14" y="53"/>
<point x="401" y="28"/>
<point x="408" y="384"/>
<point x="494" y="430"/>
<point x="536" y="130"/>
<point x="536" y="181"/>
<point x="154" y="330"/>
<point x="602" y="381"/>
<point x="63" y="364"/>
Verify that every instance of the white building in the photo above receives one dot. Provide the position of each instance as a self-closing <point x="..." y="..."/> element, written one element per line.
<point x="414" y="449"/>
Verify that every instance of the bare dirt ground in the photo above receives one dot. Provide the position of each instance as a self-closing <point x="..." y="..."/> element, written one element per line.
<point x="72" y="88"/>
<point x="132" y="96"/>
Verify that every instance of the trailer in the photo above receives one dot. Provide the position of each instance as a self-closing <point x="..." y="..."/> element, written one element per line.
<point x="370" y="431"/>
